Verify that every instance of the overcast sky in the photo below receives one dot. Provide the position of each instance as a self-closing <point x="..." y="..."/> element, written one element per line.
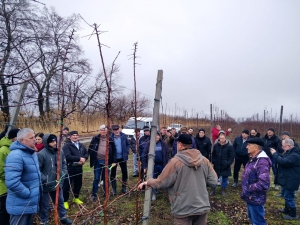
<point x="242" y="56"/>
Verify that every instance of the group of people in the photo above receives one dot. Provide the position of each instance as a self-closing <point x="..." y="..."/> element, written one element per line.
<point x="183" y="164"/>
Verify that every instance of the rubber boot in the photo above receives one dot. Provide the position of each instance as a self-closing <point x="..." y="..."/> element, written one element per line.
<point x="212" y="192"/>
<point x="114" y="187"/>
<point x="223" y="192"/>
<point x="291" y="214"/>
<point x="124" y="190"/>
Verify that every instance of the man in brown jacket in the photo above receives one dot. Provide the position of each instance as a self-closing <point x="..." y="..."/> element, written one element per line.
<point x="186" y="177"/>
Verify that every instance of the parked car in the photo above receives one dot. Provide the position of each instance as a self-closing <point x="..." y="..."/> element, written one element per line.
<point x="177" y="126"/>
<point x="128" y="129"/>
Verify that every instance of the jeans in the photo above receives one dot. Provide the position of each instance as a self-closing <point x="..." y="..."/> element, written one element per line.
<point x="76" y="178"/>
<point x="224" y="182"/>
<point x="99" y="172"/>
<point x="289" y="197"/>
<point x="124" y="171"/>
<point x="4" y="216"/>
<point x="237" y="166"/>
<point x="157" y="170"/>
<point x="25" y="219"/>
<point x="135" y="163"/>
<point x="44" y="205"/>
<point x="256" y="214"/>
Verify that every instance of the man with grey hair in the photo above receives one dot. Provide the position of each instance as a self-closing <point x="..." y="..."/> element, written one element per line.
<point x="23" y="179"/>
<point x="288" y="175"/>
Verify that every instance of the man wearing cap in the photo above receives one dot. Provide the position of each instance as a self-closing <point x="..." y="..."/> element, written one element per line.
<point x="23" y="179"/>
<point x="240" y="154"/>
<point x="203" y="144"/>
<point x="160" y="160"/>
<point x="76" y="155"/>
<point x="183" y="130"/>
<point x="122" y="150"/>
<point x="48" y="167"/>
<point x="97" y="152"/>
<point x="135" y="139"/>
<point x="256" y="181"/>
<point x="142" y="143"/>
<point x="271" y="141"/>
<point x="186" y="177"/>
<point x="5" y="143"/>
<point x="288" y="175"/>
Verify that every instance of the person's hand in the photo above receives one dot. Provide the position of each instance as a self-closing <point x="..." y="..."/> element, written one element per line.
<point x="141" y="185"/>
<point x="272" y="150"/>
<point x="229" y="129"/>
<point x="80" y="163"/>
<point x="113" y="165"/>
<point x="145" y="171"/>
<point x="82" y="160"/>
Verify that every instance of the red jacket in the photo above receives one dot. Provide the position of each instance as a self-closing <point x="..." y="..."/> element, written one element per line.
<point x="215" y="134"/>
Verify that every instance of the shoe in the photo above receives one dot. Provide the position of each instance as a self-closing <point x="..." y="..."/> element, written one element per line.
<point x="66" y="205"/>
<point x="291" y="214"/>
<point x="212" y="192"/>
<point x="219" y="183"/>
<point x="66" y="220"/>
<point x="277" y="187"/>
<point x="153" y="196"/>
<point x="124" y="190"/>
<point x="93" y="198"/>
<point x="135" y="174"/>
<point x="77" y="201"/>
<point x="234" y="184"/>
<point x="223" y="192"/>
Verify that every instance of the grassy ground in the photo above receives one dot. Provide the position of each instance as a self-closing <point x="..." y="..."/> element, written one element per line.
<point x="228" y="210"/>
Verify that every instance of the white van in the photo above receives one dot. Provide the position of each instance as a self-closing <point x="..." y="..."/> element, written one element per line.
<point x="128" y="129"/>
<point x="177" y="126"/>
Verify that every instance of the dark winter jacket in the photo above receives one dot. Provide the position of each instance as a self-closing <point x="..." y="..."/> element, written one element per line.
<point x="48" y="165"/>
<point x="272" y="142"/>
<point x="93" y="148"/>
<point x="239" y="147"/>
<point x="288" y="174"/>
<point x="174" y="149"/>
<point x="222" y="158"/>
<point x="125" y="145"/>
<point x="165" y="151"/>
<point x="142" y="143"/>
<point x="204" y="146"/>
<point x="73" y="155"/>
<point x="256" y="179"/>
<point x="23" y="180"/>
<point x="133" y="142"/>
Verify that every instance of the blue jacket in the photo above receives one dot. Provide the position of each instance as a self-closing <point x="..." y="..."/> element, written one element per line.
<point x="240" y="150"/>
<point x="165" y="150"/>
<point x="174" y="148"/>
<point x="23" y="180"/>
<point x="125" y="145"/>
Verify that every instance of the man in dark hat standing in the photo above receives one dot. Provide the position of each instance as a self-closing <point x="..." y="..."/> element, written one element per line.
<point x="5" y="143"/>
<point x="76" y="155"/>
<point x="240" y="154"/>
<point x="122" y="150"/>
<point x="203" y="143"/>
<point x="256" y="181"/>
<point x="271" y="141"/>
<point x="48" y="167"/>
<point x="186" y="175"/>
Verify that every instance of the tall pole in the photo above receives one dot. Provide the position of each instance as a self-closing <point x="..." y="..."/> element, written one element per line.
<point x="14" y="116"/>
<point x="264" y="120"/>
<point x="211" y="119"/>
<point x="280" y="122"/>
<point x="151" y="155"/>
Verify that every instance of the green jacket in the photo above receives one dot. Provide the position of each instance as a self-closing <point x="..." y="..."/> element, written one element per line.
<point x="4" y="151"/>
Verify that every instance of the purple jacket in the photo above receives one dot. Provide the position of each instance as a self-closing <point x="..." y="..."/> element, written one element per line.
<point x="256" y="179"/>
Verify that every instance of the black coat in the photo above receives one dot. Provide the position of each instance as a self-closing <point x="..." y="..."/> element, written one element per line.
<point x="93" y="148"/>
<point x="288" y="174"/>
<point x="240" y="150"/>
<point x="272" y="142"/>
<point x="222" y="158"/>
<point x="204" y="146"/>
<point x="165" y="151"/>
<point x="73" y="155"/>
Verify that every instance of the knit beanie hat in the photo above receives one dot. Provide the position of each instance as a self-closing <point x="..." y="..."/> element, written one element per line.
<point x="51" y="138"/>
<point x="13" y="133"/>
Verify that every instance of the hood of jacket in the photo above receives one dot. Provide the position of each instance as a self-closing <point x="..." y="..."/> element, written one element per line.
<point x="134" y="136"/>
<point x="262" y="154"/>
<point x="19" y="146"/>
<point x="226" y="143"/>
<point x="190" y="157"/>
<point x="5" y="142"/>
